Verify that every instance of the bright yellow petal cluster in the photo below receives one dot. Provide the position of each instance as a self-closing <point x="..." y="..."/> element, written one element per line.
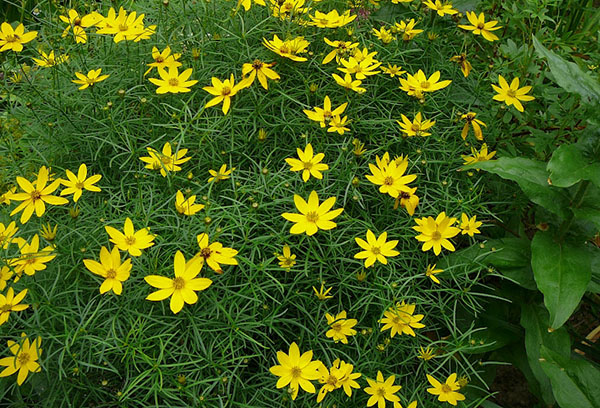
<point x="400" y="319"/>
<point x="14" y="39"/>
<point x="512" y="94"/>
<point x="313" y="216"/>
<point x="76" y="184"/>
<point x="308" y="163"/>
<point x="214" y="254"/>
<point x="131" y="240"/>
<point x="376" y="249"/>
<point x="296" y="370"/>
<point x="23" y="360"/>
<point x="435" y="233"/>
<point x="111" y="269"/>
<point x="480" y="27"/>
<point x="340" y="327"/>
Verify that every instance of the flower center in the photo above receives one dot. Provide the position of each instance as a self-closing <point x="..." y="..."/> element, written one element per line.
<point x="312" y="216"/>
<point x="205" y="252"/>
<point x="123" y="27"/>
<point x="159" y="59"/>
<point x="337" y="327"/>
<point x="425" y="85"/>
<point x="5" y="308"/>
<point x="480" y="26"/>
<point x="173" y="81"/>
<point x="178" y="283"/>
<point x="111" y="274"/>
<point x="415" y="127"/>
<point x="388" y="181"/>
<point x="296" y="372"/>
<point x="436" y="236"/>
<point x="12" y="38"/>
<point x="77" y="21"/>
<point x="511" y="93"/>
<point x="79" y="185"/>
<point x="308" y="165"/>
<point x="24" y="358"/>
<point x="381" y="392"/>
<point x="375" y="250"/>
<point x="225" y="91"/>
<point x="36" y="195"/>
<point x="446" y="389"/>
<point x="404" y="195"/>
<point x="257" y="65"/>
<point x="332" y="380"/>
<point x="166" y="160"/>
<point x="30" y="260"/>
<point x="130" y="240"/>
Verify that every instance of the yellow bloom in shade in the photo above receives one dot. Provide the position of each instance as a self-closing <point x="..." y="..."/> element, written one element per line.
<point x="24" y="358"/>
<point x="214" y="254"/>
<point x="480" y="27"/>
<point x="447" y="391"/>
<point x="401" y="319"/>
<point x="79" y="24"/>
<point x="376" y="249"/>
<point x="14" y="39"/>
<point x="407" y="29"/>
<point x="186" y="206"/>
<point x="287" y="259"/>
<point x="348" y="83"/>
<point x="5" y="275"/>
<point x="49" y="60"/>
<point x="478" y="156"/>
<point x="172" y="81"/>
<point x="289" y="48"/>
<point x="419" y="83"/>
<point x="360" y="68"/>
<point x="296" y="370"/>
<point x="391" y="178"/>
<point x="393" y="70"/>
<point x="111" y="269"/>
<point x="93" y="77"/>
<point x="469" y="226"/>
<point x="165" y="160"/>
<point x="435" y="233"/>
<point x="383" y="35"/>
<point x="322" y="293"/>
<point x="33" y="259"/>
<point x="131" y="240"/>
<point x="309" y="163"/>
<point x="382" y="390"/>
<point x="340" y="327"/>
<point x="431" y="271"/>
<point x="470" y="119"/>
<point x="34" y="197"/>
<point x="223" y="91"/>
<point x="222" y="174"/>
<point x="76" y="184"/>
<point x="7" y="232"/>
<point x="324" y="115"/>
<point x="260" y="70"/>
<point x="441" y="8"/>
<point x="512" y="95"/>
<point x="312" y="216"/>
<point x="163" y="59"/>
<point x="425" y="354"/>
<point x="182" y="289"/>
<point x="418" y="127"/>
<point x="11" y="303"/>
<point x="408" y="200"/>
<point x="465" y="66"/>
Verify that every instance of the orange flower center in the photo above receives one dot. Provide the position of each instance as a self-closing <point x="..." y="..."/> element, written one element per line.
<point x="205" y="252"/>
<point x="225" y="91"/>
<point x="312" y="216"/>
<point x="111" y="274"/>
<point x="178" y="283"/>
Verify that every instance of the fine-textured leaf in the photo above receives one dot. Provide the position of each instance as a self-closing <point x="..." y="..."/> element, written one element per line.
<point x="568" y="166"/>
<point x="569" y="76"/>
<point x="562" y="272"/>
<point x="575" y="383"/>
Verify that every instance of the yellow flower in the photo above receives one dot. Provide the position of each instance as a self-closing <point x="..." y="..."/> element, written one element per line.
<point x="172" y="81"/>
<point x="471" y="120"/>
<point x="407" y="29"/>
<point x="14" y="39"/>
<point x="393" y="70"/>
<point x="341" y="50"/>
<point x="215" y="254"/>
<point x="186" y="206"/>
<point x="348" y="83"/>
<point x="480" y="27"/>
<point x="391" y="178"/>
<point x="296" y="370"/>
<point x="417" y="127"/>
<point x="359" y="147"/>
<point x="111" y="269"/>
<point x="223" y="91"/>
<point x="426" y="354"/>
<point x="512" y="95"/>
<point x="478" y="156"/>
<point x="49" y="60"/>
<point x="182" y="289"/>
<point x="289" y="48"/>
<point x="322" y="293"/>
<point x="166" y="160"/>
<point x="401" y="319"/>
<point x="7" y="195"/>
<point x="312" y="216"/>
<point x="11" y="303"/>
<point x="419" y="83"/>
<point x="287" y="259"/>
<point x="324" y="115"/>
<point x="465" y="66"/>
<point x="222" y="174"/>
<point x="469" y="226"/>
<point x="340" y="327"/>
<point x="5" y="275"/>
<point x="383" y="35"/>
<point x="408" y="200"/>
<point x="287" y="8"/>
<point x="359" y="68"/>
<point x="7" y="233"/>
<point x="34" y="197"/>
<point x="309" y="163"/>
<point x="23" y="360"/>
<point x="447" y="391"/>
<point x="260" y="70"/>
<point x="125" y="26"/>
<point x="338" y="124"/>
<point x="131" y="240"/>
<point x="163" y="60"/>
<point x="441" y="8"/>
<point x="76" y="184"/>
<point x="431" y="271"/>
<point x="435" y="233"/>
<point x="93" y="77"/>
<point x="248" y="3"/>
<point x="382" y="391"/>
<point x="32" y="259"/>
<point x="48" y="232"/>
<point x="331" y="20"/>
<point x="79" y="24"/>
<point x="376" y="249"/>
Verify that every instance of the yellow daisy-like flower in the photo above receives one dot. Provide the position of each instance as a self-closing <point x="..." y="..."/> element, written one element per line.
<point x="348" y="83"/>
<point x="14" y="39"/>
<point x="287" y="259"/>
<point x="361" y="69"/>
<point x="223" y="91"/>
<point x="401" y="319"/>
<point x="478" y="156"/>
<point x="172" y="81"/>
<point x="260" y="70"/>
<point x="131" y="240"/>
<point x="376" y="249"/>
<point x="76" y="184"/>
<point x="480" y="27"/>
<point x="426" y="354"/>
<point x="49" y="60"/>
<point x="324" y="115"/>
<point x="186" y="206"/>
<point x="33" y="259"/>
<point x="312" y="216"/>
<point x="125" y="26"/>
<point x="7" y="196"/>
<point x="435" y="233"/>
<point x="407" y="29"/>
<point x="393" y="70"/>
<point x="111" y="269"/>
<point x="163" y="59"/>
<point x="182" y="289"/>
<point x="11" y="303"/>
<point x="441" y="8"/>
<point x="447" y="391"/>
<point x="418" y="127"/>
<point x="309" y="163"/>
<point x="382" y="390"/>
<point x="340" y="327"/>
<point x="79" y="23"/>
<point x="6" y="274"/>
<point x="338" y="124"/>
<point x="322" y="293"/>
<point x="166" y="160"/>
<point x="34" y="197"/>
<point x="7" y="232"/>
<point x="296" y="370"/>
<point x="331" y="20"/>
<point x="342" y="49"/>
<point x="383" y="35"/>
<point x="415" y="85"/>
<point x="408" y="200"/>
<point x="469" y="226"/>
<point x="465" y="66"/>
<point x="391" y="178"/>
<point x="93" y="77"/>
<point x="431" y="271"/>
<point x="471" y="120"/>
<point x="24" y="358"/>
<point x="214" y="254"/>
<point x="222" y="174"/>
<point x="248" y="3"/>
<point x="512" y="95"/>
<point x="289" y="48"/>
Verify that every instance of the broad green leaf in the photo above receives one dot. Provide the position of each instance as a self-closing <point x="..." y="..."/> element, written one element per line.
<point x="534" y="319"/>
<point x="575" y="383"/>
<point x="466" y="5"/>
<point x="562" y="272"/>
<point x="568" y="166"/>
<point x="569" y="76"/>
<point x="532" y="177"/>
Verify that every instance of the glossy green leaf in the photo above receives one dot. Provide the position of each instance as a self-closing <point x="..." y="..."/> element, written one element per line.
<point x="568" y="166"/>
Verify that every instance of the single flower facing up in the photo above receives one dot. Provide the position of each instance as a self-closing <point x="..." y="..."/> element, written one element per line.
<point x="11" y="303"/>
<point x="313" y="216"/>
<point x="478" y="155"/>
<point x="23" y="360"/>
<point x="93" y="77"/>
<point x="400" y="319"/>
<point x="391" y="178"/>
<point x="286" y="259"/>
<point x="340" y="375"/>
<point x="13" y="39"/>
<point x="512" y="94"/>
<point x="376" y="249"/>
<point x="223" y="91"/>
<point x="172" y="81"/>
<point x="296" y="370"/>
<point x="415" y="85"/>
<point x="186" y="206"/>
<point x="164" y="59"/>
<point x="308" y="163"/>
<point x="222" y="174"/>
<point x="111" y="269"/>
<point x="214" y="254"/>
<point x="435" y="233"/>
<point x="33" y="259"/>
<point x="340" y="327"/>
<point x="416" y="127"/>
<point x="441" y="8"/>
<point x="382" y="390"/>
<point x="131" y="240"/>
<point x="479" y="27"/>
<point x="446" y="391"/>
<point x="323" y="115"/>
<point x="76" y="184"/>
<point x="165" y="161"/>
<point x="260" y="70"/>
<point x="469" y="225"/>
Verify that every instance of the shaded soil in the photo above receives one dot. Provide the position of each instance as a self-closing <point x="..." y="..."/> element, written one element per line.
<point x="512" y="389"/>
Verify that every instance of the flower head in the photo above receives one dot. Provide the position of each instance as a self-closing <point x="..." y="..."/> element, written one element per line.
<point x="111" y="269"/>
<point x="14" y="39"/>
<point x="393" y="70"/>
<point x="465" y="66"/>
<point x="172" y="81"/>
<point x="164" y="60"/>
<point x="7" y="233"/>
<point x="447" y="391"/>
<point x="470" y="119"/>
<point x="296" y="370"/>
<point x="23" y="360"/>
<point x="480" y="27"/>
<point x="214" y="254"/>
<point x="407" y="29"/>
<point x="186" y="206"/>
<point x="382" y="390"/>
<point x="391" y="178"/>
<point x="79" y="23"/>
<point x="401" y="319"/>
<point x="432" y="271"/>
<point x="222" y="174"/>
<point x="331" y="20"/>
<point x="131" y="240"/>
<point x="435" y="233"/>
<point x="340" y="327"/>
<point x="348" y="83"/>
<point x="11" y="303"/>
<point x="260" y="70"/>
<point x="426" y="354"/>
<point x="478" y="155"/>
<point x="223" y="91"/>
<point x="33" y="259"/>
<point x="469" y="226"/>
<point x="408" y="200"/>
<point x="125" y="26"/>
<point x="48" y="232"/>
<point x="287" y="259"/>
<point x="49" y="60"/>
<point x="342" y="49"/>
<point x="415" y="85"/>
<point x="312" y="216"/>
<point x="322" y="293"/>
<point x="441" y="8"/>
<point x="76" y="184"/>
<point x="417" y="127"/>
<point x="376" y="249"/>
<point x="308" y="163"/>
<point x="93" y="77"/>
<point x="325" y="114"/>
<point x="288" y="48"/>
<point x="166" y="160"/>
<point x="512" y="95"/>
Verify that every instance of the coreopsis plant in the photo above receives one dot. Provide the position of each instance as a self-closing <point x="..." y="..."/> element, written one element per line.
<point x="11" y="303"/>
<point x="435" y="233"/>
<point x="339" y="375"/>
<point x="296" y="370"/>
<point x="260" y="70"/>
<point x="23" y="360"/>
<point x="77" y="24"/>
<point x="222" y="174"/>
<point x="393" y="70"/>
<point x="469" y="225"/>
<point x="13" y="39"/>
<point x="391" y="178"/>
<point x="465" y="65"/>
<point x="479" y="27"/>
<point x="32" y="259"/>
<point x="182" y="289"/>
<point x="223" y="91"/>
<point x="313" y="216"/>
<point x="383" y="35"/>
<point x="446" y="391"/>
<point x="50" y="60"/>
<point x="111" y="269"/>
<point x="288" y="48"/>
<point x="407" y="29"/>
<point x="90" y="79"/>
<point x="172" y="81"/>
<point x="416" y="127"/>
<point x="248" y="3"/>
<point x="440" y="8"/>
<point x="432" y="271"/>
<point x="308" y="163"/>
<point x="471" y="120"/>
<point x="332" y="19"/>
<point x="342" y="49"/>
<point x="165" y="60"/>
<point x="415" y="85"/>
<point x="7" y="233"/>
<point x="186" y="206"/>
<point x="6" y="274"/>
<point x="324" y="115"/>
<point x="123" y="26"/>
<point x="382" y="390"/>
<point x="214" y="254"/>
<point x="287" y="260"/>
<point x="166" y="160"/>
<point x="349" y="83"/>
<point x="376" y="248"/>
<point x="407" y="199"/>
<point x="400" y="319"/>
<point x="478" y="155"/>
<point x="322" y="293"/>
<point x="512" y="94"/>
<point x="76" y="184"/>
<point x="131" y="240"/>
<point x="340" y="327"/>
